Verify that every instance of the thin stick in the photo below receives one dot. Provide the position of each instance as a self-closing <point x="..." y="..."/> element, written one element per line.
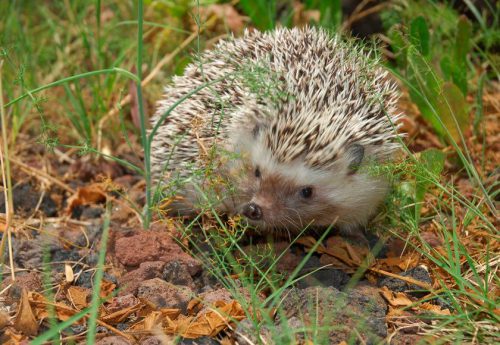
<point x="360" y="15"/>
<point x="406" y="279"/>
<point x="7" y="182"/>
<point x="40" y="174"/>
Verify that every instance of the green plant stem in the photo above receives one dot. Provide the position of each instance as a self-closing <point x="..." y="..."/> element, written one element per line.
<point x="6" y="178"/>
<point x="72" y="78"/>
<point x="144" y="136"/>
<point x="96" y="298"/>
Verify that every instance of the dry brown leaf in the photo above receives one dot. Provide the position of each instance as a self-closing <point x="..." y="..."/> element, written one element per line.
<point x="14" y="337"/>
<point x="226" y="341"/>
<point x="40" y="307"/>
<point x="120" y="315"/>
<point x="395" y="313"/>
<point x="68" y="273"/>
<point x="206" y="324"/>
<point x="402" y="263"/>
<point x="194" y="303"/>
<point x="90" y="194"/>
<point x="106" y="288"/>
<point x="153" y="320"/>
<point x="4" y="319"/>
<point x="78" y="296"/>
<point x="395" y="299"/>
<point x="25" y="321"/>
<point x="432" y="308"/>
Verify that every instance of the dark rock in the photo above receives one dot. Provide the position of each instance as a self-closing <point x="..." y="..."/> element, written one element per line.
<point x="130" y="281"/>
<point x="165" y="295"/>
<point x="90" y="212"/>
<point x="339" y="315"/>
<point x="324" y="277"/>
<point x="377" y="245"/>
<point x="419" y="273"/>
<point x="26" y="197"/>
<point x="31" y="281"/>
<point x="177" y="272"/>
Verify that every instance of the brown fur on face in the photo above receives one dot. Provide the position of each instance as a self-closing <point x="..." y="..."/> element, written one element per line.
<point x="283" y="206"/>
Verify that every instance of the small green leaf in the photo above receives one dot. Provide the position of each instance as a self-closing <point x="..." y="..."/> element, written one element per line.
<point x="453" y="110"/>
<point x="419" y="35"/>
<point x="440" y="103"/>
<point x="459" y="77"/>
<point x="445" y="65"/>
<point x="462" y="47"/>
<point x="463" y="39"/>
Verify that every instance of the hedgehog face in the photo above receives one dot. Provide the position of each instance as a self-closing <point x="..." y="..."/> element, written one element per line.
<point x="277" y="201"/>
<point x="292" y="195"/>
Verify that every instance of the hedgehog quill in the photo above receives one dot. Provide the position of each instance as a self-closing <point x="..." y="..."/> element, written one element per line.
<point x="281" y="132"/>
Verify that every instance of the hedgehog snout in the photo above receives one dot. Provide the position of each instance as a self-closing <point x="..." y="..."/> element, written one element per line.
<point x="252" y="211"/>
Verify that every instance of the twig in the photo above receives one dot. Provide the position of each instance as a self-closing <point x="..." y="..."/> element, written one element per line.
<point x="360" y="15"/>
<point x="41" y="175"/>
<point x="406" y="279"/>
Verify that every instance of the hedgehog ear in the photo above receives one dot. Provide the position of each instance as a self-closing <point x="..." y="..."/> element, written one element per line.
<point x="355" y="154"/>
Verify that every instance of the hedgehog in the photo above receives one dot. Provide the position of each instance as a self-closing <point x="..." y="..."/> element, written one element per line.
<point x="280" y="128"/>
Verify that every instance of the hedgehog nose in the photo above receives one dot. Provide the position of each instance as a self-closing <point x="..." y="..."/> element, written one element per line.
<point x="252" y="211"/>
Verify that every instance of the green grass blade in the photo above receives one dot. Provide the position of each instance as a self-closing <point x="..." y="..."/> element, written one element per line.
<point x="96" y="299"/>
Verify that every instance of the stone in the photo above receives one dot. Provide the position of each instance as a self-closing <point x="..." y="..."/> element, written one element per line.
<point x="324" y="277"/>
<point x="31" y="281"/>
<point x="165" y="295"/>
<point x="145" y="246"/>
<point x="130" y="281"/>
<point x="26" y="200"/>
<point x="419" y="273"/>
<point x="177" y="272"/>
<point x="358" y="313"/>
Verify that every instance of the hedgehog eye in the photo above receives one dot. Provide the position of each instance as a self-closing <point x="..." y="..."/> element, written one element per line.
<point x="306" y="192"/>
<point x="257" y="172"/>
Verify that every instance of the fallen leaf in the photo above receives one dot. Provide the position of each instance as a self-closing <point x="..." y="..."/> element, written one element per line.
<point x="90" y="194"/>
<point x="4" y="319"/>
<point x="25" y="320"/>
<point x="395" y="299"/>
<point x="208" y="323"/>
<point x="119" y="315"/>
<point x="78" y="296"/>
<point x="68" y="273"/>
<point x="153" y="320"/>
<point x="106" y="288"/>
<point x="433" y="308"/>
<point x="40" y="307"/>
